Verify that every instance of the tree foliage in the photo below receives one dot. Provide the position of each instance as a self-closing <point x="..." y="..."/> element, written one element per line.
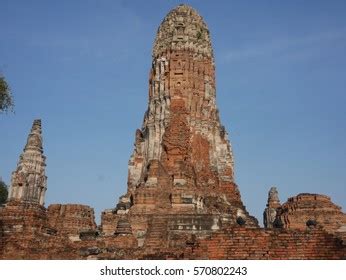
<point x="3" y="192"/>
<point x="6" y="99"/>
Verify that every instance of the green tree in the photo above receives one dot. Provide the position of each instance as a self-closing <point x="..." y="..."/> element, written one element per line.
<point x="3" y="192"/>
<point x="6" y="99"/>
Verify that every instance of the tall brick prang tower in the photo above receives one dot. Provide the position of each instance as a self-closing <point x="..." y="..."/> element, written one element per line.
<point x="181" y="133"/>
<point x="182" y="153"/>
<point x="182" y="162"/>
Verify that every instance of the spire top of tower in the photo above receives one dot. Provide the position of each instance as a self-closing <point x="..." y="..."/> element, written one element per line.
<point x="183" y="29"/>
<point x="34" y="140"/>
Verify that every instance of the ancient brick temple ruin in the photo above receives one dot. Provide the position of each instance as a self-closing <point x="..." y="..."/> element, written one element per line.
<point x="181" y="200"/>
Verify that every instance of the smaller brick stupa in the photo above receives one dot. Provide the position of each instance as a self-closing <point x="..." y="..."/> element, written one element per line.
<point x="29" y="182"/>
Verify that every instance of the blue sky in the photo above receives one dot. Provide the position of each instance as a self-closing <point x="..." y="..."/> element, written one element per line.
<point x="83" y="67"/>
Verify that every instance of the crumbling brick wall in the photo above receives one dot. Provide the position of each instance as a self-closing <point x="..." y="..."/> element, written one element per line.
<point x="71" y="218"/>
